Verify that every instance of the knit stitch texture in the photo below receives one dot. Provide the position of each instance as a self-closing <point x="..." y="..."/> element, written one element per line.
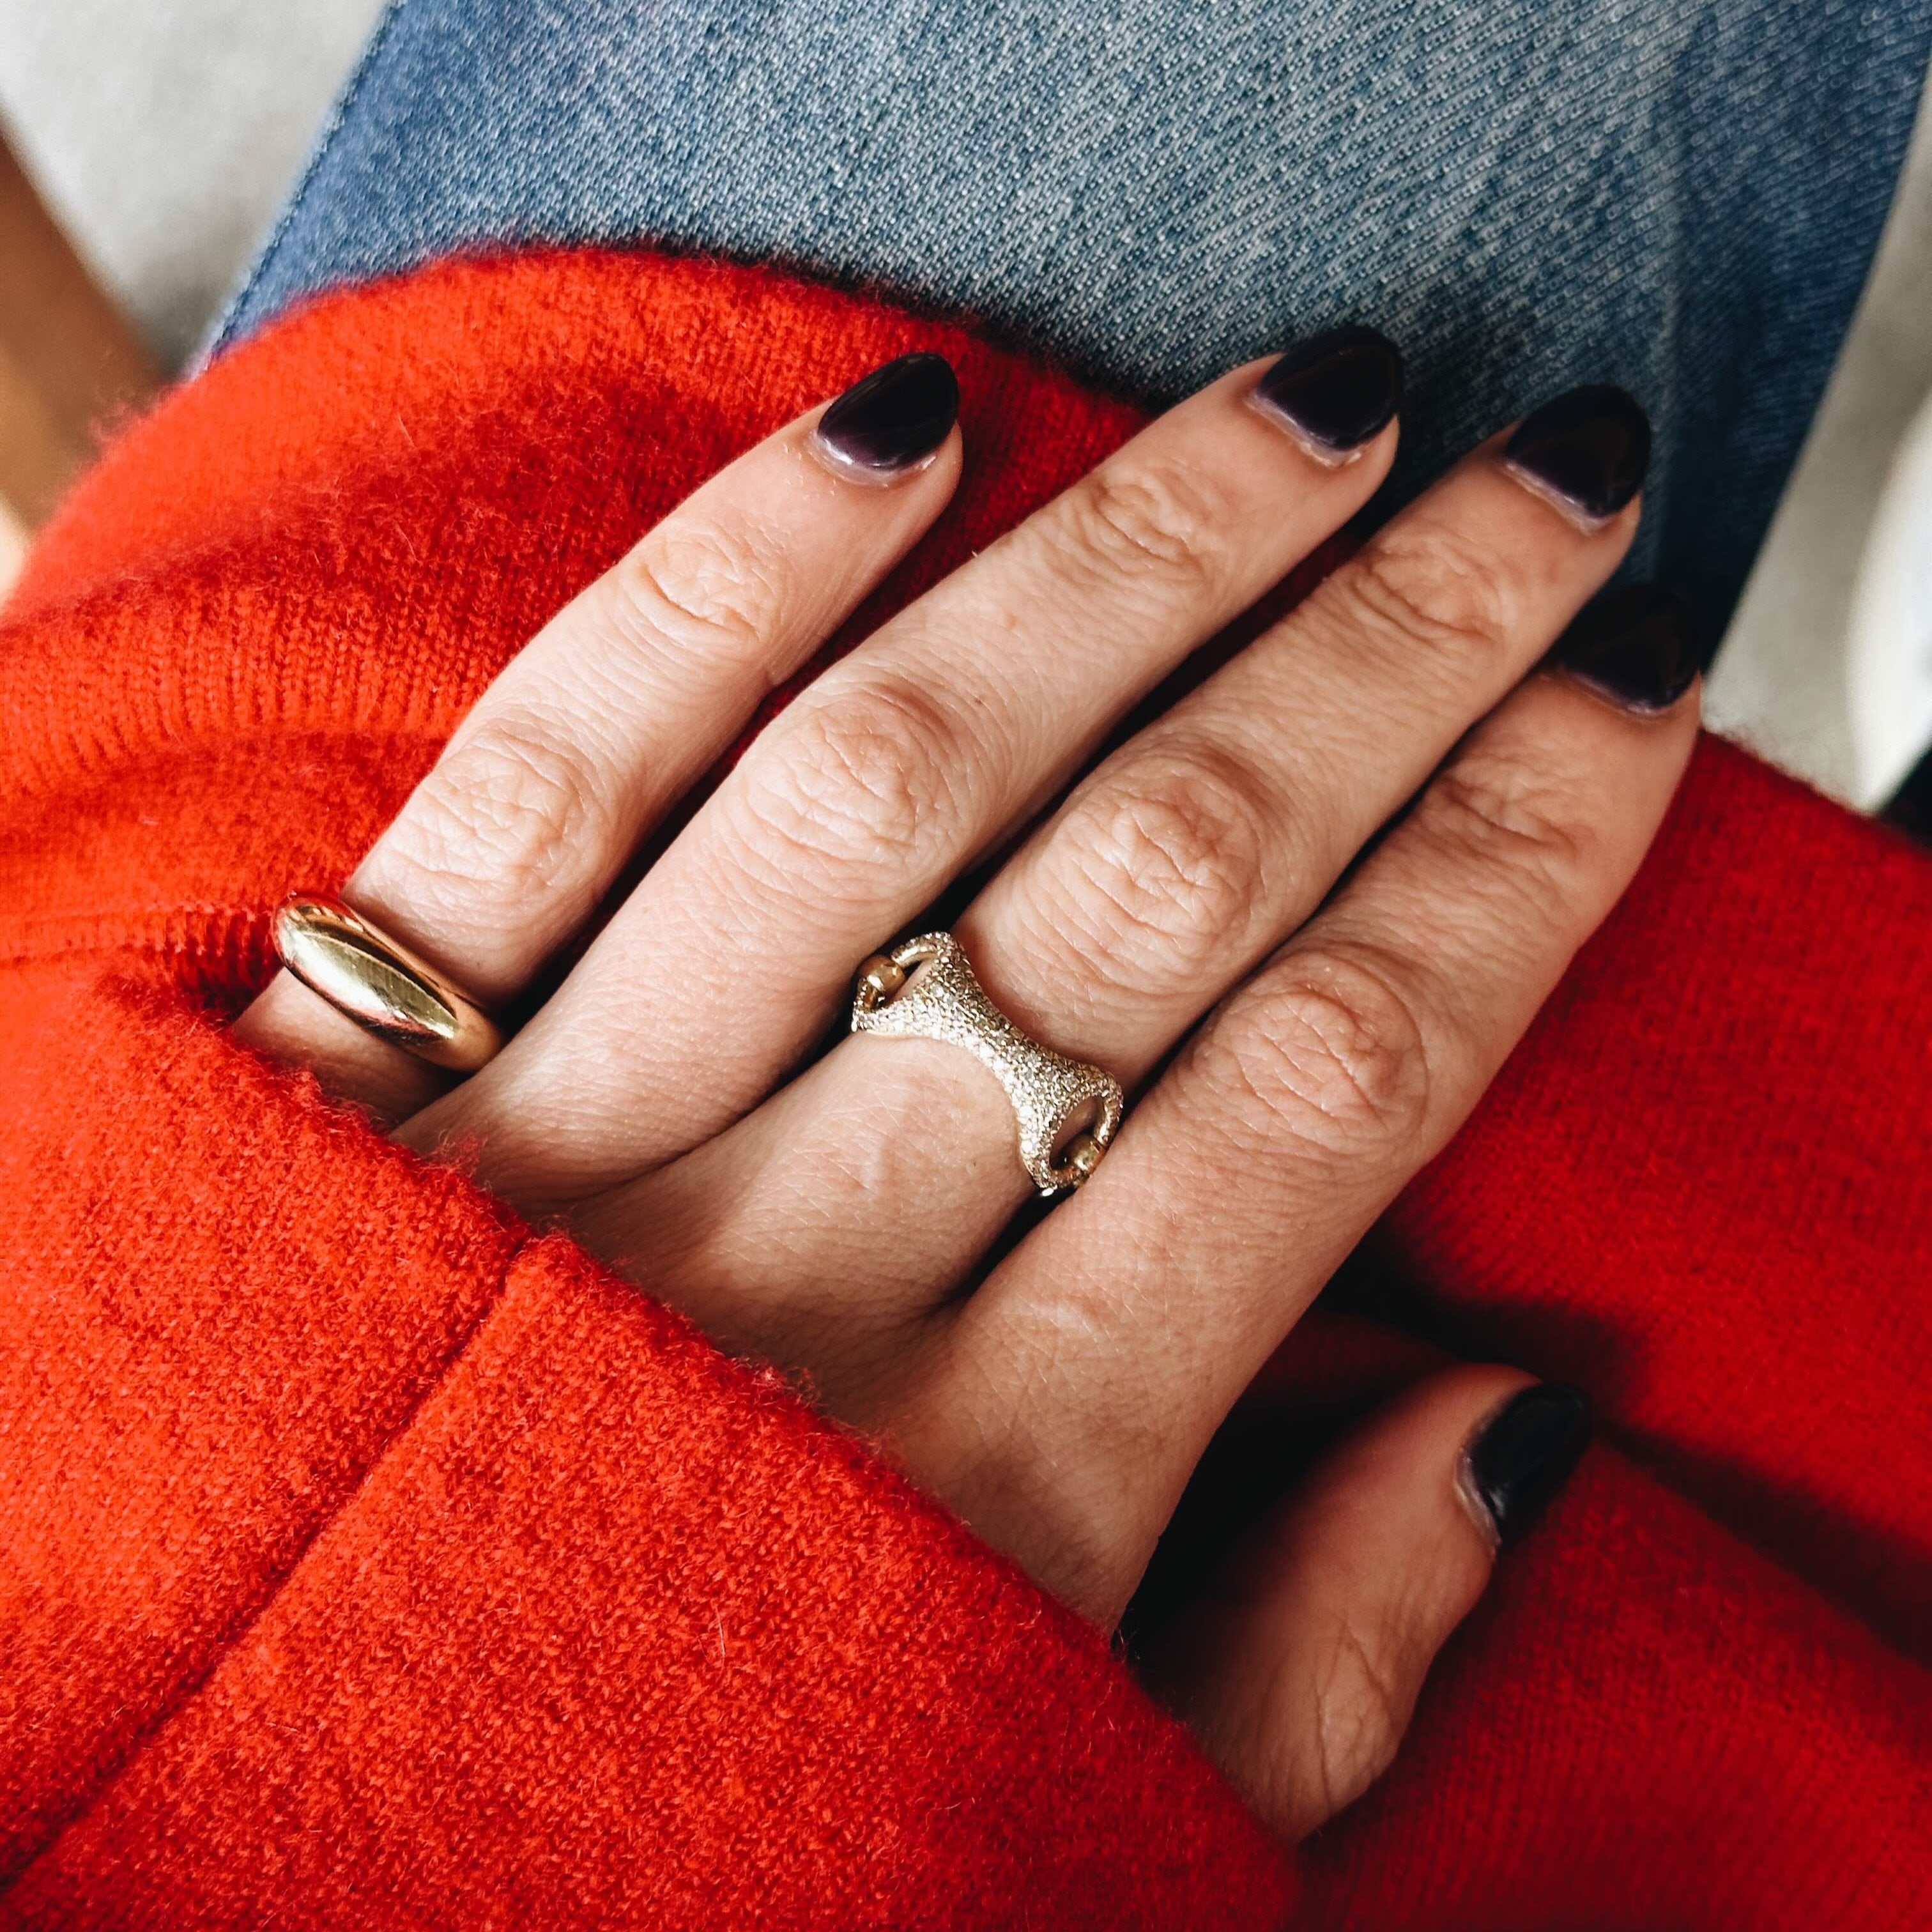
<point x="368" y="1558"/>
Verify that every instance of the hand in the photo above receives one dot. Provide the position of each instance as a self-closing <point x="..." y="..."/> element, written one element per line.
<point x="1306" y="1022"/>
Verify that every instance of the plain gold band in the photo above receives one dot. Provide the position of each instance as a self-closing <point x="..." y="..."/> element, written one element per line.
<point x="925" y="989"/>
<point x="378" y="983"/>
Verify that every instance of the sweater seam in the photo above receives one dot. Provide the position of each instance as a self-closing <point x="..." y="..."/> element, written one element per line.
<point x="34" y="940"/>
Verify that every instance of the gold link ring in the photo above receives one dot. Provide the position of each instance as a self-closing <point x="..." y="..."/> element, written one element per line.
<point x="378" y="983"/>
<point x="925" y="989"/>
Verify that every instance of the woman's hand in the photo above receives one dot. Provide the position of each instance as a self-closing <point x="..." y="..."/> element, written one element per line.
<point x="1216" y="885"/>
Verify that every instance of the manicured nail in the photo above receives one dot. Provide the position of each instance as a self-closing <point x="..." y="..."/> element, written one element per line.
<point x="1522" y="1455"/>
<point x="1335" y="391"/>
<point x="893" y="420"/>
<point x="1638" y="645"/>
<point x="1587" y="449"/>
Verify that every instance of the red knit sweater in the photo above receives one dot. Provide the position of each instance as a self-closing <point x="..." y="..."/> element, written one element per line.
<point x="367" y="1560"/>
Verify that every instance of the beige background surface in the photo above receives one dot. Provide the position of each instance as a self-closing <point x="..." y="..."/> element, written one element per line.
<point x="165" y="133"/>
<point x="1788" y="682"/>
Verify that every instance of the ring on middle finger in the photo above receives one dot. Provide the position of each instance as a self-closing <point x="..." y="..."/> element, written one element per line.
<point x="1067" y="1111"/>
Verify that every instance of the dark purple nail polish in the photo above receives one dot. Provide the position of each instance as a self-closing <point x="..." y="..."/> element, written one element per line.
<point x="1337" y="390"/>
<point x="1524" y="1454"/>
<point x="895" y="418"/>
<point x="1589" y="446"/>
<point x="1638" y="645"/>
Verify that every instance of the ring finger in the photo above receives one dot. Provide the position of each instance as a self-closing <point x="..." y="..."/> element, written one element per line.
<point x="1108" y="1348"/>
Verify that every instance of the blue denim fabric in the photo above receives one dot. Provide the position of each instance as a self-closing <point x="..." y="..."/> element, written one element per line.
<point x="1682" y="196"/>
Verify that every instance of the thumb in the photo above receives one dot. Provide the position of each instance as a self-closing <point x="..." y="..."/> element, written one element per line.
<point x="1299" y="1673"/>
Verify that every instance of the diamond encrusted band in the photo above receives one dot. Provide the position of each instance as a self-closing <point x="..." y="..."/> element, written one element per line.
<point x="925" y="989"/>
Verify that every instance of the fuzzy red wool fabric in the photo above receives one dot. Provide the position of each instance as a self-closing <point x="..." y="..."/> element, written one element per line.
<point x="368" y="1559"/>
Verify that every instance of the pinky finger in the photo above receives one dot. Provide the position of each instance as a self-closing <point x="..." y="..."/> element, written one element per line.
<point x="1299" y="1674"/>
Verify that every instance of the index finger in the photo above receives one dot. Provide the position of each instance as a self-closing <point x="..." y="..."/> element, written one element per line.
<point x="621" y="702"/>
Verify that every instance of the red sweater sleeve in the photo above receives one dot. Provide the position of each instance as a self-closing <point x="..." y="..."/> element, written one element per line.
<point x="365" y="1559"/>
<point x="370" y="1562"/>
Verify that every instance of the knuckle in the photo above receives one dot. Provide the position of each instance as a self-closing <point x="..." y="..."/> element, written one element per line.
<point x="1144" y="519"/>
<point x="865" y="784"/>
<point x="695" y="586"/>
<point x="1430" y="591"/>
<point x="1328" y="1051"/>
<point x="1507" y="818"/>
<point x="1165" y="858"/>
<point x="512" y="805"/>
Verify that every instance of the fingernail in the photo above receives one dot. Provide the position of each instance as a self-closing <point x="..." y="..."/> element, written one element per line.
<point x="1588" y="449"/>
<point x="893" y="420"/>
<point x="1335" y="391"/>
<point x="1638" y="645"/>
<point x="1522" y="1456"/>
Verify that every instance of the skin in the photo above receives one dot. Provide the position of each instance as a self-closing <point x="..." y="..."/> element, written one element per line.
<point x="1300" y="1051"/>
